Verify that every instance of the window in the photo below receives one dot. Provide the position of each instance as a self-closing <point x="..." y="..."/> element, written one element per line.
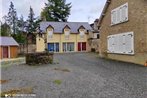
<point x="67" y="47"/>
<point x="67" y="34"/>
<point x="82" y="34"/>
<point x="98" y="36"/>
<point x="119" y="14"/>
<point x="53" y="47"/>
<point x="50" y="34"/>
<point x="121" y="43"/>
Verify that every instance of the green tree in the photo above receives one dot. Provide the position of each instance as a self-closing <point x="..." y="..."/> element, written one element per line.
<point x="21" y="24"/>
<point x="31" y="27"/>
<point x="19" y="37"/>
<point x="5" y="29"/>
<point x="11" y="18"/>
<point x="56" y="10"/>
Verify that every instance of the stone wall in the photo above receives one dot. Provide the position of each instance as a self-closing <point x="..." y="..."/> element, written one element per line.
<point x="137" y="23"/>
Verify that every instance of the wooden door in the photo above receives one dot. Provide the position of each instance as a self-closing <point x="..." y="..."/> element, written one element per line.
<point x="83" y="46"/>
<point x="5" y="52"/>
<point x="79" y="46"/>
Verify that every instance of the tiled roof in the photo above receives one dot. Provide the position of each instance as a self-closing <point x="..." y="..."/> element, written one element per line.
<point x="58" y="26"/>
<point x="7" y="41"/>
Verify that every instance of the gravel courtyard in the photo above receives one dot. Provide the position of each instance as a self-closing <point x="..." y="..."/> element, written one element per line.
<point x="78" y="75"/>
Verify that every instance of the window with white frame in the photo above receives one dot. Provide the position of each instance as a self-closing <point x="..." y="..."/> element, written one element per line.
<point x="120" y="14"/>
<point x="50" y="34"/>
<point x="82" y="34"/>
<point x="67" y="33"/>
<point x="121" y="43"/>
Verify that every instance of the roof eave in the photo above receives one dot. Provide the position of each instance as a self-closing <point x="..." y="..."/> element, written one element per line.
<point x="104" y="12"/>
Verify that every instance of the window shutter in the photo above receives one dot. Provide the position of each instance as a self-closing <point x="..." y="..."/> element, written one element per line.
<point x="112" y="17"/>
<point x="115" y="17"/>
<point x="121" y="43"/>
<point x="112" y="44"/>
<point x="125" y="12"/>
<point x="108" y="44"/>
<point x="129" y="40"/>
<point x="120" y="14"/>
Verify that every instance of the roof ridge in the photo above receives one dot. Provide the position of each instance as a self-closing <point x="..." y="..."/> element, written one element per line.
<point x="61" y="22"/>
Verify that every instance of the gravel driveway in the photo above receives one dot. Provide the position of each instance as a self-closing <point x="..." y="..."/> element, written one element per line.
<point x="79" y="75"/>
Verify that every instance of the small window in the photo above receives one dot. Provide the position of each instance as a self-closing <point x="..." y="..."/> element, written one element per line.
<point x="50" y="34"/>
<point x="81" y="34"/>
<point x="98" y="36"/>
<point x="67" y="34"/>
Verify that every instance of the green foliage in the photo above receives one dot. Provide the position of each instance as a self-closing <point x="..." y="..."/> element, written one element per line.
<point x="31" y="21"/>
<point x="56" y="10"/>
<point x="19" y="37"/>
<point x="11" y="18"/>
<point x="5" y="30"/>
<point x="21" y="24"/>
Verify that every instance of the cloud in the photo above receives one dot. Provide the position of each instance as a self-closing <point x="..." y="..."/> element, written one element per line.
<point x="80" y="11"/>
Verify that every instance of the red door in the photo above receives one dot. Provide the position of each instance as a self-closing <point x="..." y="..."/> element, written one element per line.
<point x="79" y="46"/>
<point x="5" y="52"/>
<point x="83" y="46"/>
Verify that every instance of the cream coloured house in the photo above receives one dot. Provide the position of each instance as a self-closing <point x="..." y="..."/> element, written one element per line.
<point x="63" y="37"/>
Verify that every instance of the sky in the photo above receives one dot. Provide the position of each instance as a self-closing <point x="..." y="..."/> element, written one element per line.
<point x="81" y="11"/>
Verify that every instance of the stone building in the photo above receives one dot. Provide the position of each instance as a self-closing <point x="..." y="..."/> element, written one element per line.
<point x="123" y="31"/>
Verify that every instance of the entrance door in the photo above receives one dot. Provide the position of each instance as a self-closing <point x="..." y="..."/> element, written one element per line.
<point x="79" y="46"/>
<point x="51" y="47"/>
<point x="82" y="46"/>
<point x="56" y="47"/>
<point x="5" y="52"/>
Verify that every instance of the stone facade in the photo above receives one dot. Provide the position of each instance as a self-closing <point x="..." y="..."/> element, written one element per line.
<point x="93" y="37"/>
<point x="137" y="23"/>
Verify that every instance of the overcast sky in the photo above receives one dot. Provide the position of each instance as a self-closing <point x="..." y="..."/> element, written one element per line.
<point x="81" y="11"/>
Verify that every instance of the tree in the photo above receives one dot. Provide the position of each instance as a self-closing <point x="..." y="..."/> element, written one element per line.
<point x="11" y="19"/>
<point x="21" y="24"/>
<point x="31" y="21"/>
<point x="56" y="10"/>
<point x="5" y="29"/>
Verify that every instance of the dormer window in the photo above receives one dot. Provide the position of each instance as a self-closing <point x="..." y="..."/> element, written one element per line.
<point x="67" y="32"/>
<point x="82" y="32"/>
<point x="50" y="33"/>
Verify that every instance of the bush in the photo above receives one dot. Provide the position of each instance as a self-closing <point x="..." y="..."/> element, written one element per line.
<point x="39" y="58"/>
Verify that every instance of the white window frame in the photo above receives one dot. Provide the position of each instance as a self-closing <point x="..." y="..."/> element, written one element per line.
<point x="119" y="43"/>
<point x="82" y="33"/>
<point x="67" y="33"/>
<point x="119" y="14"/>
<point x="50" y="34"/>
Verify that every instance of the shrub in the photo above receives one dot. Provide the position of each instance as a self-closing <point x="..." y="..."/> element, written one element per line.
<point x="39" y="58"/>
